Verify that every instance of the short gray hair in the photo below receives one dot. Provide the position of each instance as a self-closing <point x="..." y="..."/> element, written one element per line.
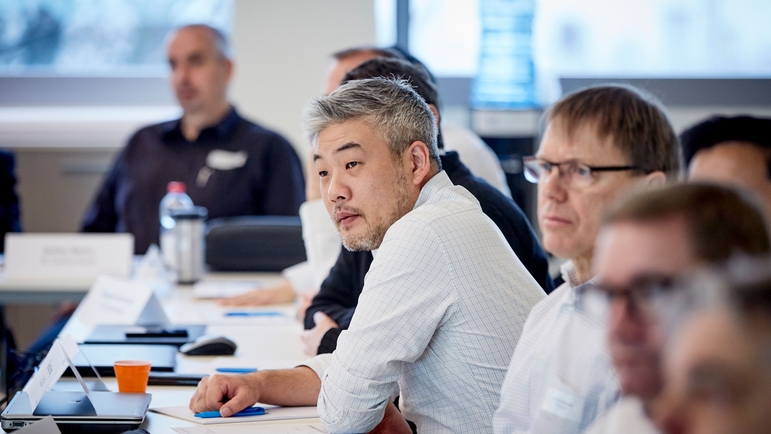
<point x="391" y="107"/>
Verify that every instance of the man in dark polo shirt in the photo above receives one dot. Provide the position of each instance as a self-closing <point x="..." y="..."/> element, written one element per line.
<point x="230" y="165"/>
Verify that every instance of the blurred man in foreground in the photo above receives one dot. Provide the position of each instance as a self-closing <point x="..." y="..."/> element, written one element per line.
<point x="718" y="364"/>
<point x="645" y="243"/>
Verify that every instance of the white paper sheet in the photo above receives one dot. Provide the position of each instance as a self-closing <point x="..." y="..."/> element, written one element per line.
<point x="245" y="362"/>
<point x="220" y="289"/>
<point x="271" y="413"/>
<point x="315" y="428"/>
<point x="213" y="315"/>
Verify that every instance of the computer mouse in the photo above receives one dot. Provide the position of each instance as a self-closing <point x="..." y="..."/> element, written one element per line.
<point x="209" y="345"/>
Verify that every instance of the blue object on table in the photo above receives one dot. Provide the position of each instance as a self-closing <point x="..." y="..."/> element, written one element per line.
<point x="236" y="370"/>
<point x="261" y="313"/>
<point x="248" y="411"/>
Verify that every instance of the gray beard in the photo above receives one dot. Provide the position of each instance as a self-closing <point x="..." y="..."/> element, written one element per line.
<point x="373" y="237"/>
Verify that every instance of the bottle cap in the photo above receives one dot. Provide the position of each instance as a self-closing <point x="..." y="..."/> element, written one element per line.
<point x="176" y="187"/>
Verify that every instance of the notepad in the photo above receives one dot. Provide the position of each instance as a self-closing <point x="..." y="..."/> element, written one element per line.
<point x="295" y="428"/>
<point x="271" y="413"/>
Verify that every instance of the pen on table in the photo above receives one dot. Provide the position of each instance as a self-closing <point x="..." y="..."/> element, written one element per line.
<point x="263" y="313"/>
<point x="236" y="370"/>
<point x="248" y="411"/>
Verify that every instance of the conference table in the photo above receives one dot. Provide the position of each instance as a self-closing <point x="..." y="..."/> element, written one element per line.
<point x="265" y="342"/>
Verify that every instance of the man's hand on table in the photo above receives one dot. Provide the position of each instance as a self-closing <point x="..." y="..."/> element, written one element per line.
<point x="230" y="394"/>
<point x="227" y="393"/>
<point x="312" y="338"/>
<point x="282" y="293"/>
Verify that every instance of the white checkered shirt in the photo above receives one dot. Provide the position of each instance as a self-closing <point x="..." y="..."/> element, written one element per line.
<point x="440" y="314"/>
<point x="626" y="416"/>
<point x="561" y="377"/>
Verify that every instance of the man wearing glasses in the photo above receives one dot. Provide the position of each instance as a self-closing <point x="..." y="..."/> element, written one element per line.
<point x="717" y="359"/>
<point x="646" y="242"/>
<point x="599" y="142"/>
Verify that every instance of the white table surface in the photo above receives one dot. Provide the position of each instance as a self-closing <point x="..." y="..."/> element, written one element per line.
<point x="271" y="341"/>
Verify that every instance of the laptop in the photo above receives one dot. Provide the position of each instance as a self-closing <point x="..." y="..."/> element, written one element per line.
<point x="163" y="358"/>
<point x="93" y="410"/>
<point x="77" y="412"/>
<point x="149" y="335"/>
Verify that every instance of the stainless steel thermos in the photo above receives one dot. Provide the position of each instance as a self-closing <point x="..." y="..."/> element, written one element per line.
<point x="189" y="230"/>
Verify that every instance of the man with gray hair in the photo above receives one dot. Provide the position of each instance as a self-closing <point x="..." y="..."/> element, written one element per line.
<point x="444" y="300"/>
<point x="214" y="151"/>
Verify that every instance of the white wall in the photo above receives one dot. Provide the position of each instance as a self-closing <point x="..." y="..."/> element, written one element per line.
<point x="282" y="50"/>
<point x="282" y="53"/>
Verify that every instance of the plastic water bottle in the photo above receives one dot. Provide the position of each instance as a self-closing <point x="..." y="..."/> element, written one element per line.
<point x="175" y="199"/>
<point x="506" y="77"/>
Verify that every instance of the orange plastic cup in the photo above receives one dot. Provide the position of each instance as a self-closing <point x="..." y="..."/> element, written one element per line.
<point x="132" y="375"/>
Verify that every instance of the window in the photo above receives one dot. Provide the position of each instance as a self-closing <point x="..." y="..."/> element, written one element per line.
<point x="97" y="38"/>
<point x="446" y="35"/>
<point x="654" y="38"/>
<point x="634" y="38"/>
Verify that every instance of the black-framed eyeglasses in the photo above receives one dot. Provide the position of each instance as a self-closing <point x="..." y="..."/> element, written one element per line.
<point x="576" y="174"/>
<point x="639" y="296"/>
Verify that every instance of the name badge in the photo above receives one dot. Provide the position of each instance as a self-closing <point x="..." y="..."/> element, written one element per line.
<point x="219" y="159"/>
<point x="564" y="404"/>
<point x="67" y="256"/>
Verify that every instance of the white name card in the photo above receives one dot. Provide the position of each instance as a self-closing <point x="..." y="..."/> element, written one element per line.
<point x="67" y="256"/>
<point x="50" y="369"/>
<point x="112" y="301"/>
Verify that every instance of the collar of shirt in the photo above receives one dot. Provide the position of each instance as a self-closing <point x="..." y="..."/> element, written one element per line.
<point x="173" y="131"/>
<point x="568" y="271"/>
<point x="436" y="183"/>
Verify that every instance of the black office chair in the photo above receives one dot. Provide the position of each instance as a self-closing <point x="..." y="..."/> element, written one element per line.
<point x="254" y="243"/>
